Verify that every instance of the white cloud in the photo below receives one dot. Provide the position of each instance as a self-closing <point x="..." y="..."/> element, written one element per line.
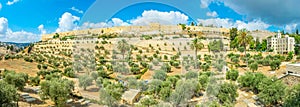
<point x="67" y="22"/>
<point x="212" y="14"/>
<point x="205" y="3"/>
<point x="3" y="25"/>
<point x="113" y="22"/>
<point x="253" y="25"/>
<point x="6" y="34"/>
<point x="88" y="25"/>
<point x="77" y="10"/>
<point x="155" y="16"/>
<point x="227" y="23"/>
<point x="290" y="28"/>
<point x="12" y="2"/>
<point x="118" y="22"/>
<point x="41" y="29"/>
<point x="168" y="18"/>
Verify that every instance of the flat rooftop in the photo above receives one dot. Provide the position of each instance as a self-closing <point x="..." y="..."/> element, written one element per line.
<point x="296" y="64"/>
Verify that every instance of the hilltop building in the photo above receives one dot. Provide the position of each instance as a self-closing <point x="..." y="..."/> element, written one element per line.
<point x="281" y="44"/>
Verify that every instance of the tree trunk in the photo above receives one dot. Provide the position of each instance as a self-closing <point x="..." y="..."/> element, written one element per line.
<point x="246" y="55"/>
<point x="196" y="58"/>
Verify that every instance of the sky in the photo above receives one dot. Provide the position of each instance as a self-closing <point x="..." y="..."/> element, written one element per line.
<point x="26" y="20"/>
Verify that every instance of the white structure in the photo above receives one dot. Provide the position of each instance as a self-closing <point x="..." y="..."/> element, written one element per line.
<point x="293" y="68"/>
<point x="281" y="45"/>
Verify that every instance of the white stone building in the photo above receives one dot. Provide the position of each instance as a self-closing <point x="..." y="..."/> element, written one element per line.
<point x="281" y="44"/>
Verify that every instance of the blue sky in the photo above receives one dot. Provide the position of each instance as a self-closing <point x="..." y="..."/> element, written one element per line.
<point x="26" y="20"/>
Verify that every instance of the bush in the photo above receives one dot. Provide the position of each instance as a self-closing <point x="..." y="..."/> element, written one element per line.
<point x="69" y="72"/>
<point x="232" y="75"/>
<point x="39" y="66"/>
<point x="241" y="49"/>
<point x="44" y="66"/>
<point x="144" y="64"/>
<point x="144" y="70"/>
<point x="166" y="67"/>
<point x="135" y="70"/>
<point x="35" y="81"/>
<point x="28" y="59"/>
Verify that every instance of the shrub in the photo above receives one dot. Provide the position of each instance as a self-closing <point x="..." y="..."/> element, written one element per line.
<point x="135" y="70"/>
<point x="166" y="67"/>
<point x="232" y="75"/>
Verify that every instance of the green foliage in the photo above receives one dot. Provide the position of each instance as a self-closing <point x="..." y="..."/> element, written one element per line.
<point x="290" y="56"/>
<point x="253" y="66"/>
<point x="154" y="86"/>
<point x="56" y="35"/>
<point x="251" y="80"/>
<point x="165" y="93"/>
<point x="191" y="75"/>
<point x="123" y="47"/>
<point x="173" y="80"/>
<point x="275" y="64"/>
<point x="58" y="90"/>
<point x="67" y="37"/>
<point x="39" y="66"/>
<point x="205" y="66"/>
<point x="183" y="26"/>
<point x="69" y="72"/>
<point x="219" y="64"/>
<point x="148" y="101"/>
<point x="203" y="80"/>
<point x="159" y="74"/>
<point x="166" y="67"/>
<point x="28" y="59"/>
<point x="232" y="74"/>
<point x="147" y="37"/>
<point x="17" y="79"/>
<point x="196" y="45"/>
<point x="135" y="70"/>
<point x="292" y="97"/>
<point x="227" y="93"/>
<point x="85" y="81"/>
<point x="35" y="81"/>
<point x="181" y="94"/>
<point x="241" y="49"/>
<point x="216" y="46"/>
<point x="8" y="94"/>
<point x="271" y="91"/>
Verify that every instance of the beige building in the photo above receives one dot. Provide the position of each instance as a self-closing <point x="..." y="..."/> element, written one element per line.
<point x="281" y="44"/>
<point x="131" y="96"/>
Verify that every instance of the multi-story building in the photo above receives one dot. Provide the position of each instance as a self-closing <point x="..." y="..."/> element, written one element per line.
<point x="281" y="44"/>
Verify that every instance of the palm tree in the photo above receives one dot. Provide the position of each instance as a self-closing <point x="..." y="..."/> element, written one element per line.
<point x="244" y="39"/>
<point x="123" y="46"/>
<point x="196" y="45"/>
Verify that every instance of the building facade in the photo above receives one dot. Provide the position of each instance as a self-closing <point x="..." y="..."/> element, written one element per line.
<point x="281" y="44"/>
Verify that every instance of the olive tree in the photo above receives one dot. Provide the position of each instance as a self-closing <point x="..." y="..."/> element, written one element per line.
<point x="85" y="81"/>
<point x="8" y="94"/>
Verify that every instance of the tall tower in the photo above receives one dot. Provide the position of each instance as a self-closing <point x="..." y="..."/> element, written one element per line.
<point x="279" y="34"/>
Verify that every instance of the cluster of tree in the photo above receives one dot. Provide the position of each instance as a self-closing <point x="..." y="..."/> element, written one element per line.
<point x="18" y="80"/>
<point x="57" y="89"/>
<point x="255" y="60"/>
<point x="216" y="46"/>
<point x="110" y="93"/>
<point x="10" y="56"/>
<point x="241" y="39"/>
<point x="232" y="75"/>
<point x="8" y="94"/>
<point x="270" y="90"/>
